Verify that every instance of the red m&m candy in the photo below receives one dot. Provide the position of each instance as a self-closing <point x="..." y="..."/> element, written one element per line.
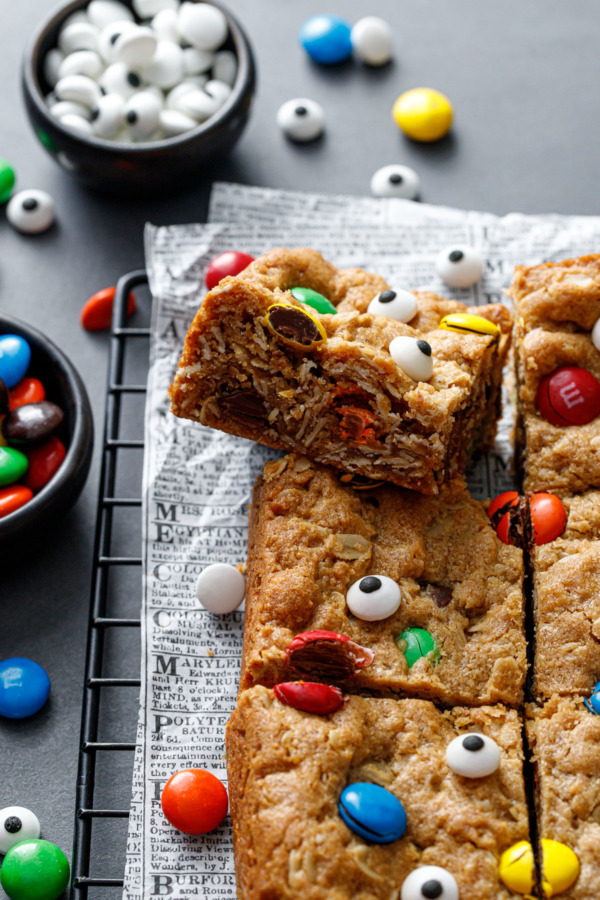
<point x="96" y="315"/>
<point x="569" y="396"/>
<point x="548" y="517"/>
<point x="28" y="390"/>
<point x="44" y="462"/>
<point x="13" y="498"/>
<point x="310" y="696"/>
<point x="230" y="263"/>
<point x="194" y="801"/>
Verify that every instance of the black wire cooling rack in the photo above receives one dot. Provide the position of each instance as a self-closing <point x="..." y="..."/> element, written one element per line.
<point x="113" y="637"/>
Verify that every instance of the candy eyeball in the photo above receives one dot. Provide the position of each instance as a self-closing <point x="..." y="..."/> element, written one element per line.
<point x="372" y="41"/>
<point x="373" y="598"/>
<point x="118" y="79"/>
<point x="473" y="755"/>
<point x="429" y="883"/>
<point x="396" y="181"/>
<point x="220" y="588"/>
<point x="413" y="356"/>
<point x="17" y="824"/>
<point x="394" y="303"/>
<point x="142" y="115"/>
<point x="460" y="266"/>
<point x="301" y="119"/>
<point x="107" y="115"/>
<point x="31" y="211"/>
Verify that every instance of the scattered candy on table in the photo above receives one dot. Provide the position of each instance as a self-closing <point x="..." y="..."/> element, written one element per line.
<point x="569" y="396"/>
<point x="34" y="870"/>
<point x="429" y="883"/>
<point x="372" y="41"/>
<point x="24" y="687"/>
<point x="459" y="267"/>
<point x="560" y="867"/>
<point x="394" y="303"/>
<point x="31" y="211"/>
<point x="593" y="703"/>
<point x="396" y="181"/>
<point x="416" y="643"/>
<point x="372" y="812"/>
<point x="465" y="323"/>
<point x="517" y="868"/>
<point x="310" y="696"/>
<point x="423" y="114"/>
<point x="301" y="119"/>
<point x="114" y="78"/>
<point x="17" y="824"/>
<point x="473" y="755"/>
<point x="194" y="801"/>
<point x="326" y="39"/>
<point x="413" y="356"/>
<point x="7" y="180"/>
<point x="96" y="315"/>
<point x="373" y="598"/>
<point x="15" y="356"/>
<point x="232" y="262"/>
<point x="220" y="588"/>
<point x="313" y="299"/>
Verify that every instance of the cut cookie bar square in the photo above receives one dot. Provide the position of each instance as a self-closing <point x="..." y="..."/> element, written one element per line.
<point x="565" y="739"/>
<point x="558" y="369"/>
<point x="403" y="401"/>
<point x="296" y="779"/>
<point x="422" y="584"/>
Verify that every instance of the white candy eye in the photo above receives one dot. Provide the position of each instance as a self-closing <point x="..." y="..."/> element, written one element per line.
<point x="460" y="266"/>
<point x="109" y="37"/>
<point x="136" y="46"/>
<point x="429" y="883"/>
<point x="141" y="115"/>
<point x="104" y="12"/>
<point x="372" y="41"/>
<point x="396" y="181"/>
<point x="118" y="79"/>
<point x="301" y="119"/>
<point x="202" y="25"/>
<point x="596" y="335"/>
<point x="166" y="68"/>
<point x="17" y="824"/>
<point x="373" y="598"/>
<point x="31" y="211"/>
<point x="394" y="304"/>
<point x="107" y="115"/>
<point x="78" y="88"/>
<point x="473" y="755"/>
<point x="220" y="588"/>
<point x="81" y="62"/>
<point x="413" y="355"/>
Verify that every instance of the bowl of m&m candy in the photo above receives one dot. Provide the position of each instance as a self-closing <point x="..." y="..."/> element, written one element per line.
<point x="138" y="95"/>
<point x="46" y="435"/>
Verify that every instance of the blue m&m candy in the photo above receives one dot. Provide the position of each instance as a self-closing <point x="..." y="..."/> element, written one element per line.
<point x="24" y="687"/>
<point x="15" y="356"/>
<point x="593" y="704"/>
<point x="326" y="39"/>
<point x="372" y="812"/>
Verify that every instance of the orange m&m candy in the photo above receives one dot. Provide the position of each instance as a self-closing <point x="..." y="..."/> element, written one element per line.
<point x="548" y="517"/>
<point x="13" y="498"/>
<point x="194" y="801"/>
<point x="498" y="513"/>
<point x="96" y="315"/>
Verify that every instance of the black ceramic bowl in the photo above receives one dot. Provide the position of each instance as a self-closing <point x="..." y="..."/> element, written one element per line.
<point x="63" y="386"/>
<point x="141" y="167"/>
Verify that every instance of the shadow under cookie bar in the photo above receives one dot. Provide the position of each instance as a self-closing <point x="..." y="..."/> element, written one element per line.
<point x="260" y="364"/>
<point x="566" y="597"/>
<point x="565" y="740"/>
<point x="457" y="635"/>
<point x="287" y="770"/>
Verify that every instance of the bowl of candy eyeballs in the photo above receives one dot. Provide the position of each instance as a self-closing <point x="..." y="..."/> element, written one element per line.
<point x="138" y="95"/>
<point x="46" y="436"/>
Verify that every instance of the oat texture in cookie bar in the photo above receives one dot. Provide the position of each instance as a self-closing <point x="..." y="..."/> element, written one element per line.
<point x="565" y="740"/>
<point x="380" y="589"/>
<point x="336" y="364"/>
<point x="557" y="360"/>
<point x="312" y="796"/>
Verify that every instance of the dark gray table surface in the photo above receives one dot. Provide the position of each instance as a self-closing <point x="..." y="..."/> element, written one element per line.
<point x="523" y="79"/>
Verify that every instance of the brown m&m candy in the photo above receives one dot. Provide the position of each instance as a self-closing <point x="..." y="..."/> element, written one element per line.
<point x="569" y="396"/>
<point x="295" y="326"/>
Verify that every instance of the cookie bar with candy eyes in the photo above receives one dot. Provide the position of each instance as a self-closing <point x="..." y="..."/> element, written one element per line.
<point x="336" y="364"/>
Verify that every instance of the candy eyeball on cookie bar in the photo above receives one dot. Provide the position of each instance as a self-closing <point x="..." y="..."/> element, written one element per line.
<point x="413" y="356"/>
<point x="473" y="755"/>
<point x="394" y="303"/>
<point x="460" y="266"/>
<point x="429" y="883"/>
<point x="373" y="598"/>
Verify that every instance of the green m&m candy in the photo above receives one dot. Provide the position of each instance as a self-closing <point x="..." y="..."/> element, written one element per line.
<point x="415" y="643"/>
<point x="34" y="870"/>
<point x="13" y="465"/>
<point x="314" y="299"/>
<point x="7" y="180"/>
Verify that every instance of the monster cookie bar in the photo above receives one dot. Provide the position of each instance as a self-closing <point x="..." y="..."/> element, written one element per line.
<point x="383" y="383"/>
<point x="565" y="739"/>
<point x="381" y="589"/>
<point x="376" y="799"/>
<point x="557" y="306"/>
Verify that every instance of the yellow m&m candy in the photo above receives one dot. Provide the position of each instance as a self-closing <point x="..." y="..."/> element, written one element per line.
<point x="466" y="323"/>
<point x="560" y="867"/>
<point x="517" y="868"/>
<point x="423" y="114"/>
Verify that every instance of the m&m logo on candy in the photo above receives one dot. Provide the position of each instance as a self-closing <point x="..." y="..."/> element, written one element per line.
<point x="569" y="396"/>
